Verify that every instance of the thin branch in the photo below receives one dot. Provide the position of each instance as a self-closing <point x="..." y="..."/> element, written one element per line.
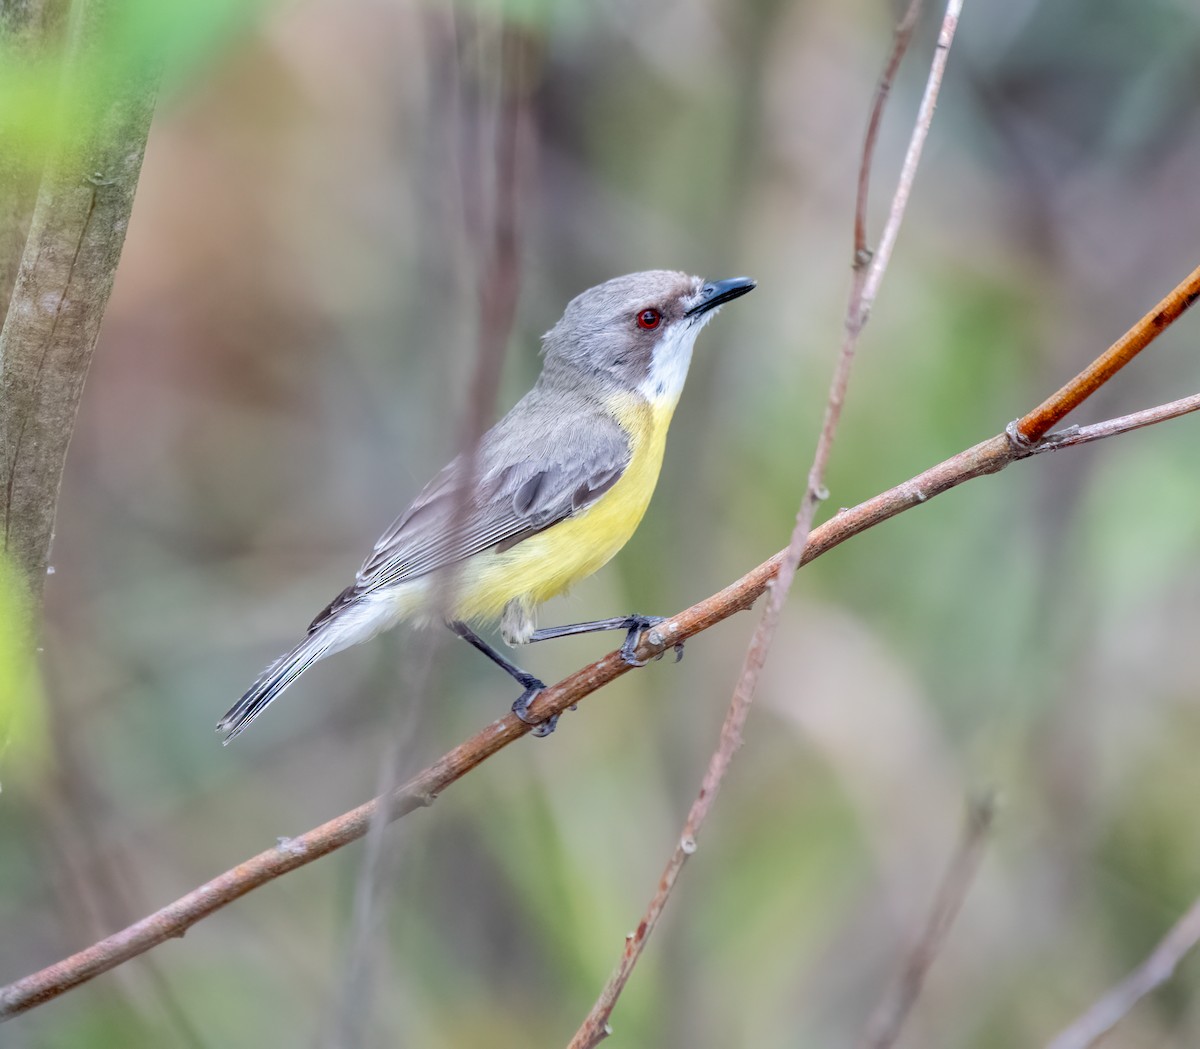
<point x="886" y="1022"/>
<point x="1032" y="427"/>
<point x="901" y="37"/>
<point x="1075" y="435"/>
<point x="1111" y="1008"/>
<point x="988" y="457"/>
<point x="864" y="288"/>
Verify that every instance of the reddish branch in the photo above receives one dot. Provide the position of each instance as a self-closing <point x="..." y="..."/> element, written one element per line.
<point x="1056" y="407"/>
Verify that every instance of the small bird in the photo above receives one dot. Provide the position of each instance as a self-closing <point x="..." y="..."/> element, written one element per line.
<point x="550" y="494"/>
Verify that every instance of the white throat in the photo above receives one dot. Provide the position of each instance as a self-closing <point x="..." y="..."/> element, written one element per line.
<point x="669" y="365"/>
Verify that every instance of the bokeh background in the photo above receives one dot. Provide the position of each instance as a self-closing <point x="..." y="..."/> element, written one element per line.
<point x="289" y="354"/>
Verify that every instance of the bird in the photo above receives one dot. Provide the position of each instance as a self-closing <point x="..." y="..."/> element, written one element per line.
<point x="546" y="497"/>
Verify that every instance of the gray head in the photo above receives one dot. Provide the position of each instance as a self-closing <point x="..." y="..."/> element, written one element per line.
<point x="636" y="332"/>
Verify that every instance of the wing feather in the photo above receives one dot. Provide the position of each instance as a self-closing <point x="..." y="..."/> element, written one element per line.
<point x="555" y="469"/>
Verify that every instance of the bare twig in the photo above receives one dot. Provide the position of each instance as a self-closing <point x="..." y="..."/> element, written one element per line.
<point x="1032" y="427"/>
<point x="1112" y="1007"/>
<point x="901" y="37"/>
<point x="65" y="277"/>
<point x="886" y="1022"/>
<point x="864" y="288"/>
<point x="173" y="920"/>
<point x="1074" y="435"/>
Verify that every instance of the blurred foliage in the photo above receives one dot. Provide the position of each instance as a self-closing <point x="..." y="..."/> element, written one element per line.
<point x="286" y="360"/>
<point x="24" y="745"/>
<point x="39" y="90"/>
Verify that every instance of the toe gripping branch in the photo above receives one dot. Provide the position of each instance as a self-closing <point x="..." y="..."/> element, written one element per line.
<point x="527" y="681"/>
<point x="633" y="625"/>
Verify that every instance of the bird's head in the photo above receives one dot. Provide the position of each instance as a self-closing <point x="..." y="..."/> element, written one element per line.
<point x="636" y="332"/>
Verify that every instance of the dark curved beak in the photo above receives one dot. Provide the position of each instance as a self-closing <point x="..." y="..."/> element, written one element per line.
<point x="718" y="292"/>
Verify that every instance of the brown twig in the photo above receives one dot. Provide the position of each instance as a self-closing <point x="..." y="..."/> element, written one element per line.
<point x="1112" y="1007"/>
<point x="901" y="37"/>
<point x="1074" y="435"/>
<point x="864" y="288"/>
<point x="886" y="1022"/>
<point x="1032" y="427"/>
<point x="176" y="918"/>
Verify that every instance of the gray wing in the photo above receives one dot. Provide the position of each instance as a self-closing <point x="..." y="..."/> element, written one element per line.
<point x="532" y="471"/>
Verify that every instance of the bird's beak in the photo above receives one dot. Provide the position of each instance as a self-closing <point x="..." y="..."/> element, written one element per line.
<point x="718" y="292"/>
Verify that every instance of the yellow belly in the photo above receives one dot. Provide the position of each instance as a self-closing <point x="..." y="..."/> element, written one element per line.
<point x="546" y="564"/>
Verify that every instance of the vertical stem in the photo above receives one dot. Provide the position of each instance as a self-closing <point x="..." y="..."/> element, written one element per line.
<point x="65" y="276"/>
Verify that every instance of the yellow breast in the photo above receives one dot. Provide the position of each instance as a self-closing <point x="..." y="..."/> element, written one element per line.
<point x="548" y="563"/>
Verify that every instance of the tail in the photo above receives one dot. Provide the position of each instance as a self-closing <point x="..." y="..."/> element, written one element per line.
<point x="273" y="681"/>
<point x="349" y="620"/>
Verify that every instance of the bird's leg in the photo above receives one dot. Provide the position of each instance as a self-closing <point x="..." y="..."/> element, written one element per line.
<point x="634" y="624"/>
<point x="531" y="684"/>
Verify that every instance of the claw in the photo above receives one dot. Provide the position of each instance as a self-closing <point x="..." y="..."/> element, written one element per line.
<point x="637" y="625"/>
<point x="541" y="729"/>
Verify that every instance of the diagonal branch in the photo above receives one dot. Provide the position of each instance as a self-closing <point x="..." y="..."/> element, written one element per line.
<point x="1075" y="435"/>
<point x="1058" y="405"/>
<point x="173" y="920"/>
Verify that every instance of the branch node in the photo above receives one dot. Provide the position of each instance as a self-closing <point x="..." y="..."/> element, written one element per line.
<point x="1016" y="438"/>
<point x="1058" y="436"/>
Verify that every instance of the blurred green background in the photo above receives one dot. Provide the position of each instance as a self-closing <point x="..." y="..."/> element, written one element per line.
<point x="285" y="361"/>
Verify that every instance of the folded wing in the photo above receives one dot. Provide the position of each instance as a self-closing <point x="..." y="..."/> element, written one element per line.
<point x="518" y="489"/>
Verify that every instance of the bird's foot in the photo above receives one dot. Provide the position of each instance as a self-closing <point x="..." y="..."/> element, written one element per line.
<point x="521" y="707"/>
<point x="637" y="625"/>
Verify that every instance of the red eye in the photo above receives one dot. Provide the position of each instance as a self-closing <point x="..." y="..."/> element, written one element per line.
<point x="649" y="319"/>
